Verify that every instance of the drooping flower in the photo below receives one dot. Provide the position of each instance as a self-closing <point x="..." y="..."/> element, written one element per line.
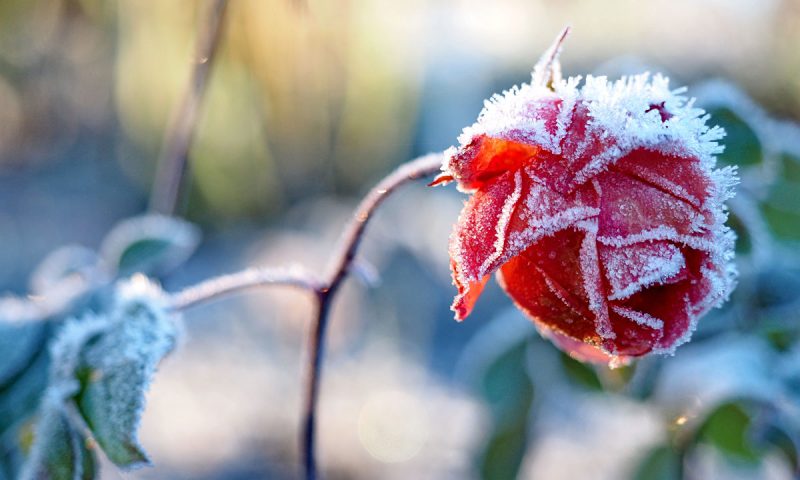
<point x="600" y="208"/>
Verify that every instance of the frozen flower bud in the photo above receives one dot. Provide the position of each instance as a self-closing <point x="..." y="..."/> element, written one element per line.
<point x="600" y="208"/>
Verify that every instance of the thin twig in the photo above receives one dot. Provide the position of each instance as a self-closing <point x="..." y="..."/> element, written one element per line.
<point x="341" y="263"/>
<point x="253" y="277"/>
<point x="172" y="163"/>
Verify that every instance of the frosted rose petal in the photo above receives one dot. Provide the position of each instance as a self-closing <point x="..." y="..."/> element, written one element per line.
<point x="545" y="282"/>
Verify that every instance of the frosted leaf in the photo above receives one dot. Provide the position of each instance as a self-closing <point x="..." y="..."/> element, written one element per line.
<point x="19" y="342"/>
<point x="60" y="452"/>
<point x="150" y="244"/>
<point x="105" y="362"/>
<point x="116" y="370"/>
<point x="72" y="263"/>
<point x="548" y="68"/>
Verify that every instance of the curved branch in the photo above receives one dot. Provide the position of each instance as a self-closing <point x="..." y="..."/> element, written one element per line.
<point x="351" y="238"/>
<point x="341" y="262"/>
<point x="252" y="277"/>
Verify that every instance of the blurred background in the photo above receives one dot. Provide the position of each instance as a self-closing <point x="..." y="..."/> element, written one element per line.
<point x="310" y="103"/>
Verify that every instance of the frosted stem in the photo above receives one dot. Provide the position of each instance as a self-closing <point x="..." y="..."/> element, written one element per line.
<point x="340" y="267"/>
<point x="252" y="277"/>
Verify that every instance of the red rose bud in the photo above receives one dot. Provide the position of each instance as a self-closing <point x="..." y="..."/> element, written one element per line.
<point x="600" y="208"/>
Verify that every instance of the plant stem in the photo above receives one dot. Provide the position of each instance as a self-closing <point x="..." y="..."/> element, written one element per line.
<point x="234" y="282"/>
<point x="172" y="163"/>
<point x="341" y="262"/>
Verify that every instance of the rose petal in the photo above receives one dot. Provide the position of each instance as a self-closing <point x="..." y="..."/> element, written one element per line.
<point x="486" y="158"/>
<point x="545" y="282"/>
<point x="581" y="351"/>
<point x="681" y="177"/>
<point x="480" y="236"/>
<point x="637" y="333"/>
<point x="630" y="269"/>
<point x="629" y="207"/>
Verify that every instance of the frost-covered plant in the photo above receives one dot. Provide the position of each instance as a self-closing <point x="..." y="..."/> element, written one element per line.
<point x="600" y="206"/>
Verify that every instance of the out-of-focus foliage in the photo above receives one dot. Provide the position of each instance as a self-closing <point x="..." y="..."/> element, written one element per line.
<point x="88" y="350"/>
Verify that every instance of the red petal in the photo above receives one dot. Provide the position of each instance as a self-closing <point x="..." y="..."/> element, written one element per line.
<point x="545" y="281"/>
<point x="632" y="268"/>
<point x="480" y="236"/>
<point x="581" y="144"/>
<point x="677" y="304"/>
<point x="503" y="219"/>
<point x="637" y="333"/>
<point x="683" y="178"/>
<point x="631" y="207"/>
<point x="583" y="352"/>
<point x="486" y="158"/>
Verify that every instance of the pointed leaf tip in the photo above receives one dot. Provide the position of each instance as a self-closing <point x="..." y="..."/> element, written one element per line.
<point x="548" y="68"/>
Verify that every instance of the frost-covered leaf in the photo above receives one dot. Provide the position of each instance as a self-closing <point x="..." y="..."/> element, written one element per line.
<point x="105" y="361"/>
<point x="116" y="368"/>
<point x="72" y="263"/>
<point x="60" y="451"/>
<point x="19" y="343"/>
<point x="151" y="244"/>
<point x="19" y="396"/>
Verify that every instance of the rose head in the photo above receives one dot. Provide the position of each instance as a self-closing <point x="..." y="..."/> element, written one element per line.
<point x="600" y="209"/>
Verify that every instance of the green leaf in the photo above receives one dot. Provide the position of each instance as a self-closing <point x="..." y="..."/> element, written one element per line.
<point x="744" y="242"/>
<point x="504" y="451"/>
<point x="742" y="146"/>
<point x="781" y="210"/>
<point x="727" y="429"/>
<point x="60" y="452"/>
<point x="509" y="392"/>
<point x="19" y="345"/>
<point x="150" y="244"/>
<point x="580" y="373"/>
<point x="660" y="463"/>
<point x="115" y="370"/>
<point x="20" y="396"/>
